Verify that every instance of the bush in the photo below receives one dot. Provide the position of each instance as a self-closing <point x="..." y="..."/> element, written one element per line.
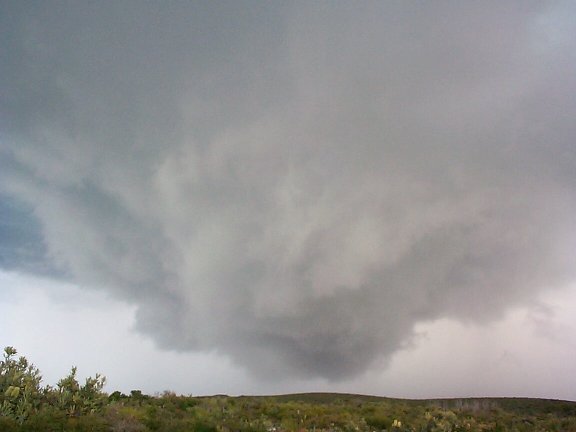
<point x="8" y="424"/>
<point x="379" y="422"/>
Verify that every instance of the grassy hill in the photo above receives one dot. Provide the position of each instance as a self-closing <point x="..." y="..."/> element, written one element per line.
<point x="509" y="404"/>
<point x="353" y="412"/>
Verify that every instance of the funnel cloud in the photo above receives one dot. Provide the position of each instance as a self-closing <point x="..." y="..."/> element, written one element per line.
<point x="294" y="185"/>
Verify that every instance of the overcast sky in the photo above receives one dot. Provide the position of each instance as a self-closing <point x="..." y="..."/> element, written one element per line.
<point x="265" y="197"/>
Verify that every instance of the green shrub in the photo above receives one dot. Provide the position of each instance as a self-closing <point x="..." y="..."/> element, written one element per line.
<point x="8" y="424"/>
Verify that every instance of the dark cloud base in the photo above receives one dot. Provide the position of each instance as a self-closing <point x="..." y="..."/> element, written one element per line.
<point x="296" y="186"/>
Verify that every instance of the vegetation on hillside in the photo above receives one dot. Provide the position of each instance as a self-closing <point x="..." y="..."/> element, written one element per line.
<point x="70" y="406"/>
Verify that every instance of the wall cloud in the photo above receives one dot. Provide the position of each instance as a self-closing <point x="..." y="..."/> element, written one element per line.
<point x="296" y="185"/>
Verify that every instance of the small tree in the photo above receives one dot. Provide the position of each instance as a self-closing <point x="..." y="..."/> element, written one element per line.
<point x="75" y="399"/>
<point x="20" y="392"/>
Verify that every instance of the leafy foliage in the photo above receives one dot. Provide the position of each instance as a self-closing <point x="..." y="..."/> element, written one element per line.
<point x="26" y="405"/>
<point x="75" y="399"/>
<point x="20" y="393"/>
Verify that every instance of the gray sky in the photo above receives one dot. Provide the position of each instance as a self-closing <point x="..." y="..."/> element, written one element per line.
<point x="269" y="197"/>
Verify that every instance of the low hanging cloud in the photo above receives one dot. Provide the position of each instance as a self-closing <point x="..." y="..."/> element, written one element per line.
<point x="296" y="185"/>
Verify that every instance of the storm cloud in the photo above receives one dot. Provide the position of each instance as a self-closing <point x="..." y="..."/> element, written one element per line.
<point x="295" y="185"/>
